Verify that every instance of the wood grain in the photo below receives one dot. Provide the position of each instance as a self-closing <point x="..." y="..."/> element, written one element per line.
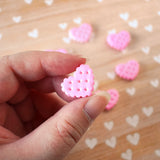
<point x="103" y="16"/>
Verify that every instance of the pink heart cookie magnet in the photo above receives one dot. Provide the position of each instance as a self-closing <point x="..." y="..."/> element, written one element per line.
<point x="114" y="99"/>
<point x="128" y="71"/>
<point x="81" y="34"/>
<point x="81" y="84"/>
<point x="118" y="41"/>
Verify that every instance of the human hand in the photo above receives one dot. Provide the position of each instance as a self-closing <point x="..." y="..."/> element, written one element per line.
<point x="36" y="124"/>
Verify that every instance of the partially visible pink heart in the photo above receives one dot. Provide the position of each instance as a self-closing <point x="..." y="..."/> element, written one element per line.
<point x="128" y="71"/>
<point x="58" y="50"/>
<point x="119" y="41"/>
<point x="114" y="98"/>
<point x="81" y="34"/>
<point x="81" y="84"/>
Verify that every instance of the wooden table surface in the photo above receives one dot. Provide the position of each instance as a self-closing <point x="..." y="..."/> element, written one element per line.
<point x="132" y="129"/>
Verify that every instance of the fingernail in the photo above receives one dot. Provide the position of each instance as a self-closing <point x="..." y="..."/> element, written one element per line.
<point x="96" y="104"/>
<point x="82" y="58"/>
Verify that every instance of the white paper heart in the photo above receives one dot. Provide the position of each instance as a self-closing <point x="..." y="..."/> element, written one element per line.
<point x="49" y="2"/>
<point x="91" y="143"/>
<point x="100" y="0"/>
<point x="111" y="142"/>
<point x="96" y="84"/>
<point x="77" y="20"/>
<point x="124" y="51"/>
<point x="33" y="34"/>
<point x="112" y="31"/>
<point x="109" y="125"/>
<point x="133" y="23"/>
<point x="133" y="139"/>
<point x="145" y="49"/>
<point x="147" y="111"/>
<point x="158" y="13"/>
<point x="127" y="155"/>
<point x="28" y="1"/>
<point x="63" y="26"/>
<point x="131" y="91"/>
<point x="0" y="36"/>
<point x="124" y="16"/>
<point x="154" y="83"/>
<point x="149" y="28"/>
<point x="66" y="40"/>
<point x="157" y="59"/>
<point x="16" y="19"/>
<point x="133" y="121"/>
<point x="157" y="152"/>
<point x="111" y="75"/>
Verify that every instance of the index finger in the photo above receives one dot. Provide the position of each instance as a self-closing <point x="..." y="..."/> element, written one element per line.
<point x="33" y="66"/>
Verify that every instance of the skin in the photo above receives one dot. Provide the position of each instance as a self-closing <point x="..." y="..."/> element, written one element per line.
<point x="36" y="120"/>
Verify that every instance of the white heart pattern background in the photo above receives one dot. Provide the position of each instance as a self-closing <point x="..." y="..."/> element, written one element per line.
<point x="17" y="19"/>
<point x="34" y="33"/>
<point x="130" y="131"/>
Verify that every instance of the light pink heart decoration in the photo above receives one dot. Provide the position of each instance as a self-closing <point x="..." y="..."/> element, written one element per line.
<point x="128" y="71"/>
<point x="58" y="50"/>
<point x="119" y="41"/>
<point x="81" y="34"/>
<point x="81" y="84"/>
<point x="114" y="98"/>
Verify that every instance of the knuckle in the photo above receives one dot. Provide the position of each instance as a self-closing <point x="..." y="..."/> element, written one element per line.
<point x="69" y="132"/>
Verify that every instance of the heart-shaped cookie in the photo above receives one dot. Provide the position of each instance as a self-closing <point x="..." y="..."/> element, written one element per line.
<point x="118" y="41"/>
<point x="81" y="84"/>
<point x="128" y="71"/>
<point x="114" y="99"/>
<point x="81" y="34"/>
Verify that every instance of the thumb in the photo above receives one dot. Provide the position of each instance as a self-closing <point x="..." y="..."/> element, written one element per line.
<point x="57" y="136"/>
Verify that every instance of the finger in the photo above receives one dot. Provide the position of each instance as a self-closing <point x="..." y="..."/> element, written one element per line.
<point x="56" y="137"/>
<point x="46" y="104"/>
<point x="20" y="95"/>
<point x="25" y="110"/>
<point x="51" y="84"/>
<point x="6" y="136"/>
<point x="11" y="120"/>
<point x="44" y="85"/>
<point x="33" y="66"/>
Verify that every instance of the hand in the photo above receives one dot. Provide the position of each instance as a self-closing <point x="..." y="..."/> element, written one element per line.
<point x="35" y="123"/>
